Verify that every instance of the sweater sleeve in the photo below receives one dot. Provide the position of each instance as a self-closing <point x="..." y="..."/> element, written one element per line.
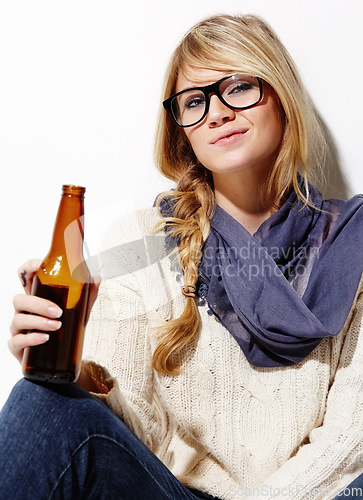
<point x="333" y="456"/>
<point x="117" y="351"/>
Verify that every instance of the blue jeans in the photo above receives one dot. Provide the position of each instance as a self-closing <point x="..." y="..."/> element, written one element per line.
<point x="354" y="490"/>
<point x="60" y="442"/>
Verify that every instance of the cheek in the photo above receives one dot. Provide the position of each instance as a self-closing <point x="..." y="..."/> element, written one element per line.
<point x="195" y="139"/>
<point x="276" y="131"/>
<point x="270" y="124"/>
<point x="269" y="117"/>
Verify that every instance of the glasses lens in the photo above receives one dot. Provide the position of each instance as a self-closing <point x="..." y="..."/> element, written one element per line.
<point x="240" y="91"/>
<point x="188" y="107"/>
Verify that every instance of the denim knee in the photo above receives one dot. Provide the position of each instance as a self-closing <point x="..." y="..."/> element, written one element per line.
<point x="40" y="428"/>
<point x="61" y="442"/>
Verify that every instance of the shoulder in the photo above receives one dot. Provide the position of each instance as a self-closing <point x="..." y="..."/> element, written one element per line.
<point x="133" y="226"/>
<point x="342" y="214"/>
<point x="132" y="242"/>
<point x="344" y="207"/>
<point x="355" y="204"/>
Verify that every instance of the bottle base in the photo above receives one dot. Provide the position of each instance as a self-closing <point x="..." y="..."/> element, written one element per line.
<point x="54" y="378"/>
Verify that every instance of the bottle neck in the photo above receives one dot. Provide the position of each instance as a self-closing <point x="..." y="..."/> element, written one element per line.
<point x="68" y="230"/>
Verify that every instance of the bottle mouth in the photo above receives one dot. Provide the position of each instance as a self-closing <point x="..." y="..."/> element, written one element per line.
<point x="71" y="189"/>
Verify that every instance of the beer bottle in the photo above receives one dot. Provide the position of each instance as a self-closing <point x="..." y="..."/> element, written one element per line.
<point x="63" y="278"/>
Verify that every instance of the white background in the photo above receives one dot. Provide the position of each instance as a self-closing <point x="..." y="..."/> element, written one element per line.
<point x="79" y="92"/>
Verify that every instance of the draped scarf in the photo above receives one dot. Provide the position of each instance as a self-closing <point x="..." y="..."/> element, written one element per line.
<point x="280" y="291"/>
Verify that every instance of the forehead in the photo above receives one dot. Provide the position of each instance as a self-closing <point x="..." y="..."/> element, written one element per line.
<point x="195" y="77"/>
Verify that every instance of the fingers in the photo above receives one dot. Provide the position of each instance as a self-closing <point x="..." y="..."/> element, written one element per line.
<point x="35" y="313"/>
<point x="24" y="322"/>
<point x="36" y="305"/>
<point x="32" y="313"/>
<point x="26" y="273"/>
<point x="19" y="342"/>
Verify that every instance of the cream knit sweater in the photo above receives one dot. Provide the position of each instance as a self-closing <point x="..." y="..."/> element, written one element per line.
<point x="222" y="426"/>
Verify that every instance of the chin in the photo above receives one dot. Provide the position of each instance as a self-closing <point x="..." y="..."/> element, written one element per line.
<point x="229" y="163"/>
<point x="229" y="168"/>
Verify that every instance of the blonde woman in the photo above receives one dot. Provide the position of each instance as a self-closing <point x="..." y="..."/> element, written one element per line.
<point x="226" y="340"/>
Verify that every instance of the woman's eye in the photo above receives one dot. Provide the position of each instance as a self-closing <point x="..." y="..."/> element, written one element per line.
<point x="194" y="102"/>
<point x="240" y="87"/>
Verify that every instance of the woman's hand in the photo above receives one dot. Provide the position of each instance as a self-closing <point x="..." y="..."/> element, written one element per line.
<point x="34" y="313"/>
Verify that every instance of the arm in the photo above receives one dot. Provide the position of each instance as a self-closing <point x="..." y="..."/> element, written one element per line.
<point x="334" y="455"/>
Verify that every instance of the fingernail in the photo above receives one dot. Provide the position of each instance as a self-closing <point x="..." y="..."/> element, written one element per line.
<point x="55" y="311"/>
<point x="44" y="337"/>
<point x="55" y="325"/>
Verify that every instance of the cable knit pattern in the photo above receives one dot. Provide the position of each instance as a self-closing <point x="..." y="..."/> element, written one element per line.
<point x="222" y="426"/>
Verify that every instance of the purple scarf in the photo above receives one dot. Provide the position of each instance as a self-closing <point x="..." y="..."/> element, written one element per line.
<point x="280" y="291"/>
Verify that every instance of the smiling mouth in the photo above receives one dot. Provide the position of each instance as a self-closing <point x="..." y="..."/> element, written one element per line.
<point x="229" y="138"/>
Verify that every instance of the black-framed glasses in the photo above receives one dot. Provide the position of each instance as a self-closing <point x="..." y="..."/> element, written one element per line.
<point x="190" y="106"/>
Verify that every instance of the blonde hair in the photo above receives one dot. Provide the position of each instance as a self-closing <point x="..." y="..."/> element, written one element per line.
<point x="228" y="44"/>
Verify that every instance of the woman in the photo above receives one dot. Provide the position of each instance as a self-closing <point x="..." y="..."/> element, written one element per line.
<point x="236" y="355"/>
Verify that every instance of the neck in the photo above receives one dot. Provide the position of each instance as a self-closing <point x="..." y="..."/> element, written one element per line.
<point x="242" y="198"/>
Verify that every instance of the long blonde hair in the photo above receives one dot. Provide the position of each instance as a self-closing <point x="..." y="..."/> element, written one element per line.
<point x="228" y="44"/>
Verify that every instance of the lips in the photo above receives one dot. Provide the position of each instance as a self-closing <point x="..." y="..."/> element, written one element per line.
<point x="228" y="136"/>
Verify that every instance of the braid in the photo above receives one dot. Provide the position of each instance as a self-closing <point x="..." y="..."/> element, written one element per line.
<point x="194" y="205"/>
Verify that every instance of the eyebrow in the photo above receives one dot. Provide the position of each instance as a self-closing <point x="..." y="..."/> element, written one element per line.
<point x="202" y="83"/>
<point x="197" y="85"/>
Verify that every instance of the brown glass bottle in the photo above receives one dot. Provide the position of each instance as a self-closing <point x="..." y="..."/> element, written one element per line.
<point x="63" y="278"/>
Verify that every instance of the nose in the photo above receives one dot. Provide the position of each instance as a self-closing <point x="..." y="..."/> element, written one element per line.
<point x="218" y="112"/>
